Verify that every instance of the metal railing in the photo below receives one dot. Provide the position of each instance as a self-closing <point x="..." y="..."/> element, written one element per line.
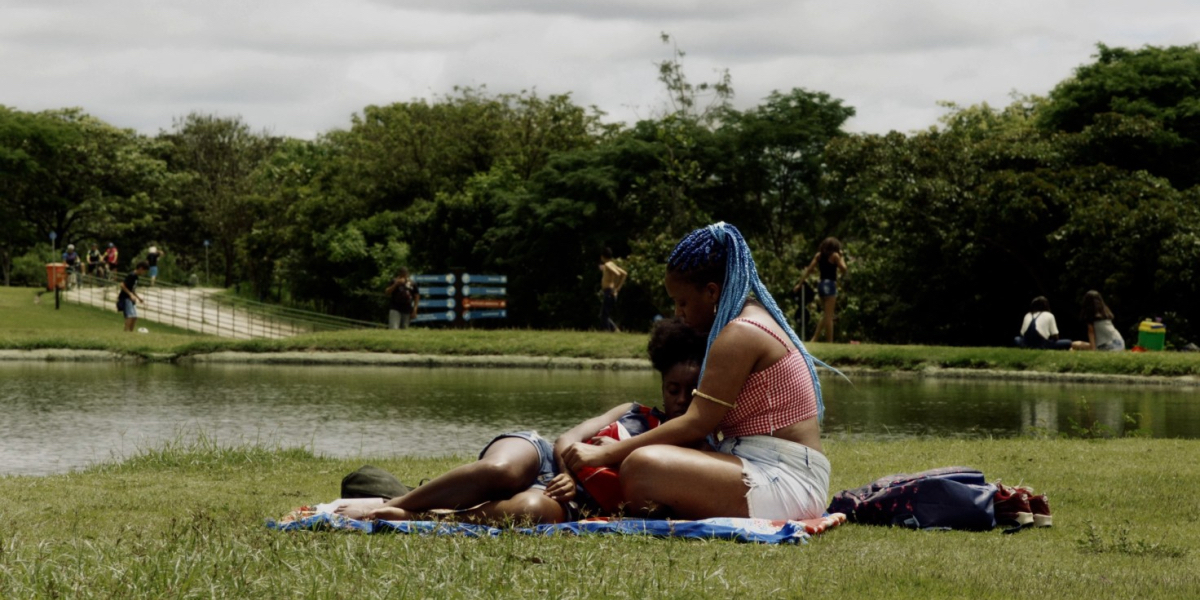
<point x="206" y="310"/>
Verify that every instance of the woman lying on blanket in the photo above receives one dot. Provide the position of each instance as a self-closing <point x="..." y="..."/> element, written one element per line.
<point x="758" y="387"/>
<point x="519" y="476"/>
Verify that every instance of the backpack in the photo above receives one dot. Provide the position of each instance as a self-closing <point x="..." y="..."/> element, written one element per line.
<point x="372" y="482"/>
<point x="402" y="299"/>
<point x="1033" y="337"/>
<point x="944" y="498"/>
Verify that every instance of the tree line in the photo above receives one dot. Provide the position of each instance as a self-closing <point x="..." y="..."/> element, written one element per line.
<point x="950" y="231"/>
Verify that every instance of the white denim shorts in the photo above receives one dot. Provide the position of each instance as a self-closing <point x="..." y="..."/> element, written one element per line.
<point x="786" y="480"/>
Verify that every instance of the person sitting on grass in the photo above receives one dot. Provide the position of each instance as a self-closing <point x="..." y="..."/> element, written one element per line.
<point x="519" y="477"/>
<point x="1102" y="335"/>
<point x="758" y="387"/>
<point x="1039" y="329"/>
<point x="128" y="298"/>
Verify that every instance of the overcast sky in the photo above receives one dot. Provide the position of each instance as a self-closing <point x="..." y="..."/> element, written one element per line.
<point x="302" y="67"/>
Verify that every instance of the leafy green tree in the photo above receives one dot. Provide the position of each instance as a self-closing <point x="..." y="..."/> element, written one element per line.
<point x="219" y="157"/>
<point x="70" y="173"/>
<point x="1138" y="110"/>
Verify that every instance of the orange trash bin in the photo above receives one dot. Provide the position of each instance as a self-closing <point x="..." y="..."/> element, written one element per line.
<point x="56" y="276"/>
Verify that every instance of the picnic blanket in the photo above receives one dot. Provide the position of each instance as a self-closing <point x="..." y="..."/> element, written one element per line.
<point x="321" y="517"/>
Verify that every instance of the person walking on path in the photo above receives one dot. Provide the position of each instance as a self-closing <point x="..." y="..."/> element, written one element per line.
<point x="127" y="300"/>
<point x="110" y="259"/>
<point x="611" y="279"/>
<point x="94" y="261"/>
<point x="405" y="298"/>
<point x="71" y="258"/>
<point x="152" y="256"/>
<point x="828" y="262"/>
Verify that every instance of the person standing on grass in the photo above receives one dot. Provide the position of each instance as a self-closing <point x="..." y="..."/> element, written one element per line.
<point x="611" y="279"/>
<point x="127" y="300"/>
<point x="405" y="297"/>
<point x="1102" y="335"/>
<point x="758" y="388"/>
<point x="828" y="263"/>
<point x="152" y="256"/>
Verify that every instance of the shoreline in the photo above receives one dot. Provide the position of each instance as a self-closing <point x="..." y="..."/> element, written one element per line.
<point x="386" y="359"/>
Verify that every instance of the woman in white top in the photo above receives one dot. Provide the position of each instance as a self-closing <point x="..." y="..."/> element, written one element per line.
<point x="1044" y="332"/>
<point x="1102" y="335"/>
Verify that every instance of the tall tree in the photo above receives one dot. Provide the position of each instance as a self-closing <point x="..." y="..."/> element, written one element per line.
<point x="1139" y="109"/>
<point x="219" y="156"/>
<point x="70" y="173"/>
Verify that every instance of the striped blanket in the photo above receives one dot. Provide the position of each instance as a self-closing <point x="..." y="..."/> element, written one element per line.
<point x="321" y="517"/>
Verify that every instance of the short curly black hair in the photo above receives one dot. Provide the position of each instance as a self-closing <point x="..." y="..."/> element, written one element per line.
<point x="672" y="342"/>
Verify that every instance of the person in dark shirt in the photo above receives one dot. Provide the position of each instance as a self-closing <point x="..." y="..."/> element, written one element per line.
<point x="405" y="298"/>
<point x="152" y="257"/>
<point x="94" y="261"/>
<point x="127" y="300"/>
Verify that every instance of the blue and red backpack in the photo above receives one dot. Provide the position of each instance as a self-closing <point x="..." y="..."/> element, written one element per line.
<point x="944" y="498"/>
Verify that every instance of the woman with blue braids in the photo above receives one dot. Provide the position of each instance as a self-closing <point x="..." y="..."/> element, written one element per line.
<point x="758" y="389"/>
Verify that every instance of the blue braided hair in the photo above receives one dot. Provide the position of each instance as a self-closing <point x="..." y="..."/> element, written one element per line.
<point x="718" y="253"/>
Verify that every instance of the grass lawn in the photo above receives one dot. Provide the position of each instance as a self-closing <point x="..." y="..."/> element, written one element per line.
<point x="26" y="325"/>
<point x="31" y="321"/>
<point x="187" y="521"/>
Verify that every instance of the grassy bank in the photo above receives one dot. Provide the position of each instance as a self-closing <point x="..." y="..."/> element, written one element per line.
<point x="26" y="325"/>
<point x="188" y="521"/>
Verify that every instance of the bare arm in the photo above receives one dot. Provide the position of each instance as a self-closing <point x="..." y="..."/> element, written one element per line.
<point x="841" y="263"/>
<point x="585" y="430"/>
<point x="1092" y="335"/>
<point x="130" y="293"/>
<point x="392" y="288"/>
<point x="731" y="359"/>
<point x="807" y="271"/>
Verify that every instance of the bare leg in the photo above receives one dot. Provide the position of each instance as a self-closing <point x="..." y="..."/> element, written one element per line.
<point x="665" y="478"/>
<point x="531" y="506"/>
<point x="129" y="323"/>
<point x="508" y="468"/>
<point x="827" y="318"/>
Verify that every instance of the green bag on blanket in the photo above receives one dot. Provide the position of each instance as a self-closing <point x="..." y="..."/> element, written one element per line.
<point x="372" y="482"/>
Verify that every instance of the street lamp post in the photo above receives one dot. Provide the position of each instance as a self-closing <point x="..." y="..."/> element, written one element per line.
<point x="206" y="282"/>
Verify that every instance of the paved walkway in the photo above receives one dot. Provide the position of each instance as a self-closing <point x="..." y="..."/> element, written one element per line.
<point x="190" y="308"/>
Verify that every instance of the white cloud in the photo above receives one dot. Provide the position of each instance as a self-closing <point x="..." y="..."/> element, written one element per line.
<point x="300" y="68"/>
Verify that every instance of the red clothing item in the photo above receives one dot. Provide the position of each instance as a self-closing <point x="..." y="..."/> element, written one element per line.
<point x="773" y="398"/>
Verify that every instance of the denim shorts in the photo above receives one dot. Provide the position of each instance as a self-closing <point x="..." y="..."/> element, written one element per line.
<point x="130" y="309"/>
<point x="1115" y="345"/>
<point x="154" y="271"/>
<point x="547" y="468"/>
<point x="787" y="481"/>
<point x="827" y="287"/>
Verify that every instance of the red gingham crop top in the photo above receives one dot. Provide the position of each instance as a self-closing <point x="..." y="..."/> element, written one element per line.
<point x="773" y="398"/>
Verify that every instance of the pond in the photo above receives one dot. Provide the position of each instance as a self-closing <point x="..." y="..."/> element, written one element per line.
<point x="59" y="416"/>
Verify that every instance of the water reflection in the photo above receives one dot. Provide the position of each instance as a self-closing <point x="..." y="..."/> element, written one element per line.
<point x="58" y="416"/>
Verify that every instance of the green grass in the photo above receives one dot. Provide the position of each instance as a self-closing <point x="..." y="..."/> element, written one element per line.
<point x="187" y="521"/>
<point x="25" y="325"/>
<point x="29" y="321"/>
